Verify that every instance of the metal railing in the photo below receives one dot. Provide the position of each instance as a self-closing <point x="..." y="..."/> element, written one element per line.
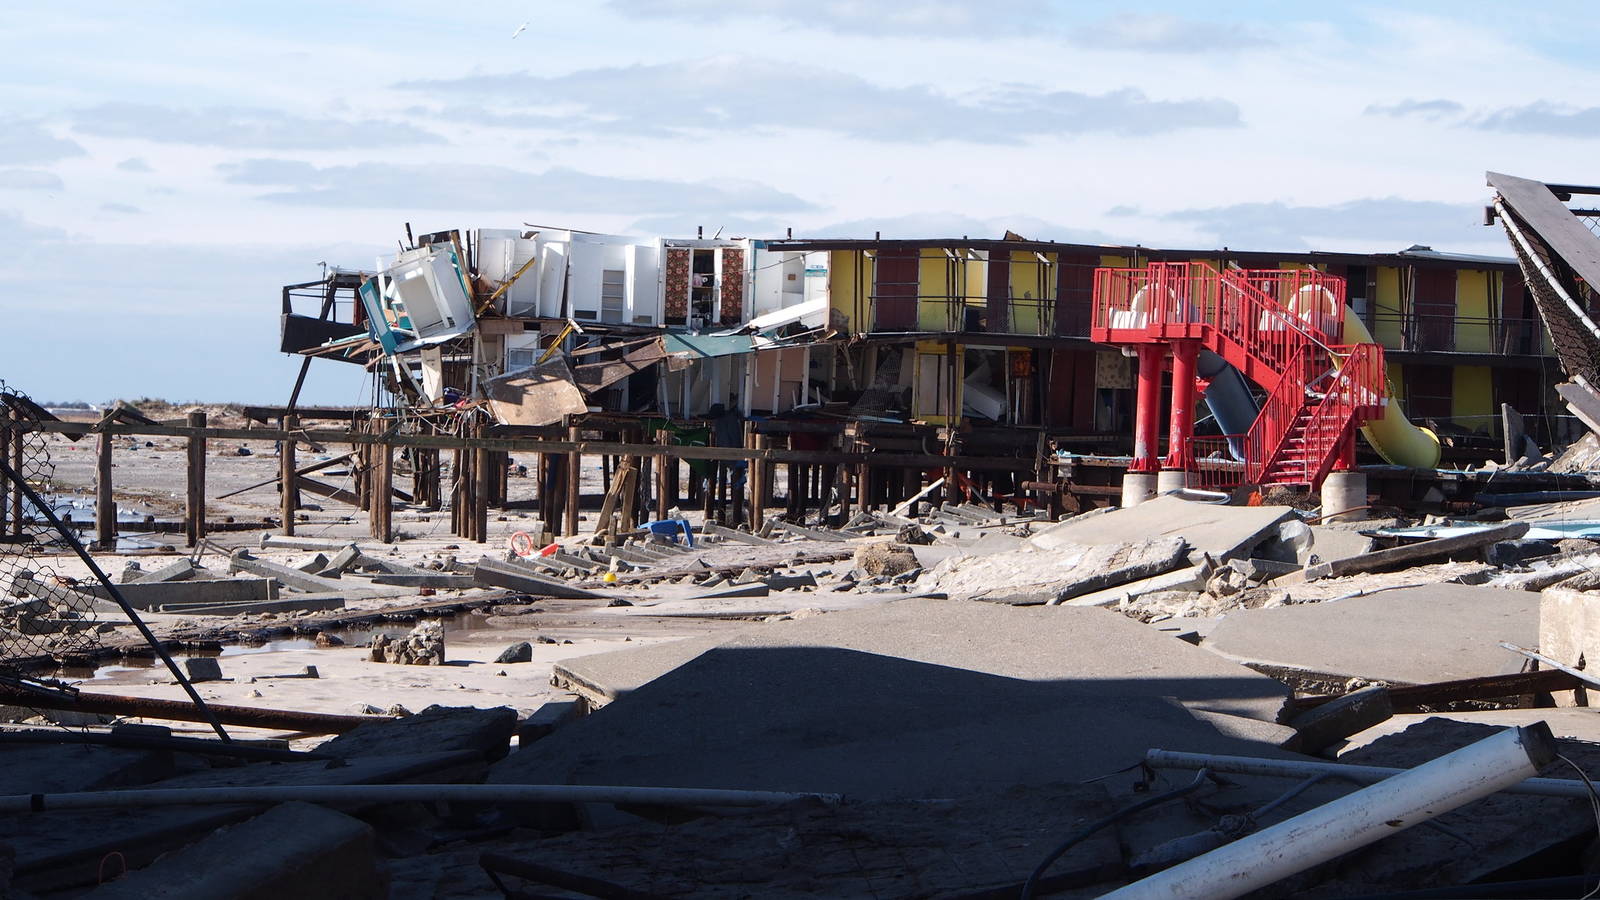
<point x="1215" y="468"/>
<point x="1355" y="394"/>
<point x="1422" y="332"/>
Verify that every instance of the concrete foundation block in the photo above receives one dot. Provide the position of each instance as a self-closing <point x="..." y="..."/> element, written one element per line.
<point x="1344" y="497"/>
<point x="1137" y="487"/>
<point x="1168" y="480"/>
<point x="1569" y="633"/>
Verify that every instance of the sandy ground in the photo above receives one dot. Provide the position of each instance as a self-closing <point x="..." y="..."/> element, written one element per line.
<point x="150" y="478"/>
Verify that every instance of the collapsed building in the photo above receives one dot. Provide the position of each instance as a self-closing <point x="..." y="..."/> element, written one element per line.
<point x="952" y="347"/>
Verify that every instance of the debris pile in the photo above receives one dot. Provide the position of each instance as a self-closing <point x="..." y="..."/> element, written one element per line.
<point x="424" y="646"/>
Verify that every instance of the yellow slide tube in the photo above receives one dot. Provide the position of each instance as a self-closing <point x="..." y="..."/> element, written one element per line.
<point x="1399" y="442"/>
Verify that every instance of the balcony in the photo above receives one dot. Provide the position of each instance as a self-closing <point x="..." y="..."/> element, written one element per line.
<point x="1024" y="316"/>
<point x="1458" y="334"/>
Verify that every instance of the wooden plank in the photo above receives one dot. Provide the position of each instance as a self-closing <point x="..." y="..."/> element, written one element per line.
<point x="1492" y="687"/>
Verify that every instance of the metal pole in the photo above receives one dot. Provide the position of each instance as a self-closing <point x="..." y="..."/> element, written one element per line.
<point x="116" y="595"/>
<point x="1355" y="820"/>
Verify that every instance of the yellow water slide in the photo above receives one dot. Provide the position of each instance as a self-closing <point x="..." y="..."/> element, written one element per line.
<point x="1399" y="442"/>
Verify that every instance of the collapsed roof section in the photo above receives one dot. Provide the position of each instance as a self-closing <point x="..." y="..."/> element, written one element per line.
<point x="1560" y="258"/>
<point x="536" y="324"/>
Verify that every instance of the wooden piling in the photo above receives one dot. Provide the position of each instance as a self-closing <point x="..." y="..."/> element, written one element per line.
<point x="288" y="482"/>
<point x="105" y="506"/>
<point x="194" y="507"/>
<point x="663" y="500"/>
<point x="380" y="517"/>
<point x="759" y="470"/>
<point x="574" y="483"/>
<point x="484" y="466"/>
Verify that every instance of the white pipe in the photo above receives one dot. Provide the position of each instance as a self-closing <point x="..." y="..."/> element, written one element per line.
<point x="1295" y="768"/>
<point x="399" y="793"/>
<point x="1355" y="820"/>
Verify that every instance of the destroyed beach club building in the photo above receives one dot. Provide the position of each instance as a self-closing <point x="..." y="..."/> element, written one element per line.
<point x="906" y="349"/>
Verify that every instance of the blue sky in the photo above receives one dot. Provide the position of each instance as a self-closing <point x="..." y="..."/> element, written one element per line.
<point x="166" y="167"/>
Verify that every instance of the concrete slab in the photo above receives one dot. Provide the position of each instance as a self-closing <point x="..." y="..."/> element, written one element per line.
<point x="1090" y="651"/>
<point x="1224" y="532"/>
<point x="517" y="577"/>
<point x="293" y="850"/>
<point x="1033" y="575"/>
<point x="149" y="596"/>
<point x="1414" y="635"/>
<point x="912" y="700"/>
<point x="435" y="729"/>
<point x="1330" y="544"/>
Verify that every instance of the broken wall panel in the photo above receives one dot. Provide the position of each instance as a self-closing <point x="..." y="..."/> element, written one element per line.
<point x="542" y="395"/>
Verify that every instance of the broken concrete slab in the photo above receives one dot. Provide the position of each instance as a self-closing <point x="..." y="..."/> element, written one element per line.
<point x="715" y="530"/>
<point x="1421" y="551"/>
<point x="439" y="580"/>
<point x="287" y="603"/>
<point x="202" y="668"/>
<point x="292" y="850"/>
<point x="1578" y="722"/>
<point x="1191" y="578"/>
<point x="1033" y="575"/>
<point x="285" y="542"/>
<point x="517" y="577"/>
<point x="1413" y="635"/>
<point x="1332" y="544"/>
<point x="913" y="699"/>
<point x="435" y="729"/>
<point x="1091" y="648"/>
<point x="176" y="571"/>
<point x="341" y="562"/>
<point x="756" y="589"/>
<point x="1224" y="532"/>
<point x="215" y="592"/>
<point x="815" y="534"/>
<point x="550" y="715"/>
<point x="290" y="577"/>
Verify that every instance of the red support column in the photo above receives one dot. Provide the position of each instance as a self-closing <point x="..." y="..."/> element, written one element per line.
<point x="1147" y="411"/>
<point x="1180" y="426"/>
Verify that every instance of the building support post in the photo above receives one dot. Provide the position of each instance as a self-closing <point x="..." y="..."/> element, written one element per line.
<point x="289" y="498"/>
<point x="194" y="512"/>
<point x="105" y="505"/>
<point x="573" y="485"/>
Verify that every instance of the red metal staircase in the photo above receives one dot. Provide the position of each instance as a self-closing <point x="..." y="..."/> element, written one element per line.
<point x="1282" y="329"/>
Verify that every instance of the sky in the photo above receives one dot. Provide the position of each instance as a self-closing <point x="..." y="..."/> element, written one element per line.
<point x="166" y="167"/>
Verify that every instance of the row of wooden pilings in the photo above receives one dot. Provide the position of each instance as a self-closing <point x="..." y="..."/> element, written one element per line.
<point x="473" y="480"/>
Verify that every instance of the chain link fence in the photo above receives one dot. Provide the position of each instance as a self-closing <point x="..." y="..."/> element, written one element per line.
<point x="45" y="619"/>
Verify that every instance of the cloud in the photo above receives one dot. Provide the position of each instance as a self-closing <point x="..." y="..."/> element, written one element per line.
<point x="950" y="225"/>
<point x="134" y="164"/>
<point x="1542" y="117"/>
<point x="673" y="225"/>
<point x="391" y="186"/>
<point x="1388" y="223"/>
<point x="728" y="95"/>
<point x="24" y="141"/>
<point x="240" y="126"/>
<point x="152" y="292"/>
<point x="923" y="18"/>
<point x="1151" y="33"/>
<point x="29" y="180"/>
<point x="121" y="209"/>
<point x="1423" y="109"/>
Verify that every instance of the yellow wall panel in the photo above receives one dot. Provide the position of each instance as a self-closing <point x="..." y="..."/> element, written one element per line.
<point x="1472" y="311"/>
<point x="933" y="291"/>
<point x="1031" y="289"/>
<point x="1388" y="307"/>
<point x="1472" y="400"/>
<point x="844" y="267"/>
